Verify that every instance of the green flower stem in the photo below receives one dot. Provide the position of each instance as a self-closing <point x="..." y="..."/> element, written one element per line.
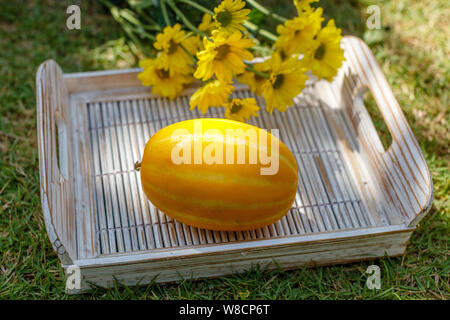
<point x="154" y="25"/>
<point x="184" y="19"/>
<point x="197" y="6"/>
<point x="266" y="11"/>
<point x="115" y="12"/>
<point x="193" y="58"/>
<point x="205" y="82"/>
<point x="251" y="68"/>
<point x="164" y="12"/>
<point x="266" y="34"/>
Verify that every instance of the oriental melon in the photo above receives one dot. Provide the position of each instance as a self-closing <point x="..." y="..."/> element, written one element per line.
<point x="219" y="174"/>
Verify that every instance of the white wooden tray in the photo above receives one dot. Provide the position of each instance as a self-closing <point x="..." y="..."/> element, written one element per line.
<point x="355" y="200"/>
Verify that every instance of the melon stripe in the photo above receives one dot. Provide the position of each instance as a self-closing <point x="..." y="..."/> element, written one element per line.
<point x="212" y="203"/>
<point x="214" y="176"/>
<point x="183" y="183"/>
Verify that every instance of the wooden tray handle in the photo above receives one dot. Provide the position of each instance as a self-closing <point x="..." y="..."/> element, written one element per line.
<point x="56" y="183"/>
<point x="404" y="155"/>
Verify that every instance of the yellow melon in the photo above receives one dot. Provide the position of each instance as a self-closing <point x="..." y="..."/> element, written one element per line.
<point x="219" y="174"/>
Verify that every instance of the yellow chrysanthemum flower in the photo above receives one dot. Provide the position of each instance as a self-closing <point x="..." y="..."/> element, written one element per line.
<point x="303" y="5"/>
<point x="325" y="55"/>
<point x="296" y="35"/>
<point x="212" y="94"/>
<point x="241" y="109"/>
<point x="207" y="25"/>
<point x="280" y="51"/>
<point x="287" y="80"/>
<point x="230" y="15"/>
<point x="223" y="56"/>
<point x="252" y="79"/>
<point x="194" y="45"/>
<point x="161" y="81"/>
<point x="172" y="56"/>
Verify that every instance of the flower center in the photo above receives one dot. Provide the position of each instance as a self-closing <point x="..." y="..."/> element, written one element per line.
<point x="236" y="107"/>
<point x="162" y="73"/>
<point x="222" y="51"/>
<point x="320" y="52"/>
<point x="224" y="18"/>
<point x="279" y="80"/>
<point x="172" y="47"/>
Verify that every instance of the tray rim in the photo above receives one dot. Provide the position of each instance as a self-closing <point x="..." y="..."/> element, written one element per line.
<point x="241" y="246"/>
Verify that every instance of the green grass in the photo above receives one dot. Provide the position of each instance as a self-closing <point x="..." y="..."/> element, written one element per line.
<point x="412" y="49"/>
